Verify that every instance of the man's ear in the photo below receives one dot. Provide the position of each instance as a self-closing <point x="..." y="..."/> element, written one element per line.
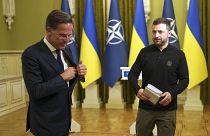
<point x="169" y="32"/>
<point x="48" y="29"/>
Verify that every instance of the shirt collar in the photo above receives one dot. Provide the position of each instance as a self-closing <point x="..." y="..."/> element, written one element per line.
<point x="156" y="47"/>
<point x="49" y="45"/>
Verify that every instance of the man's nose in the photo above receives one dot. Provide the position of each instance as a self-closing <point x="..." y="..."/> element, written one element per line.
<point x="66" y="40"/>
<point x="157" y="34"/>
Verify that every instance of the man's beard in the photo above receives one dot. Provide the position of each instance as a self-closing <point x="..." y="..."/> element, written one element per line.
<point x="159" y="42"/>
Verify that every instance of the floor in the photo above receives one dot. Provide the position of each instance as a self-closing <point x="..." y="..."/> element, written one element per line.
<point x="111" y="122"/>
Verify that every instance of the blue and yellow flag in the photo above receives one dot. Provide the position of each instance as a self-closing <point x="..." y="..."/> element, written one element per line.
<point x="168" y="13"/>
<point x="90" y="54"/>
<point x="193" y="47"/>
<point x="72" y="45"/>
<point x="139" y="35"/>
<point x="116" y="51"/>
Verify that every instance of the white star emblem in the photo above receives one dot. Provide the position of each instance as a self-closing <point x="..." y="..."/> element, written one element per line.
<point x="173" y="36"/>
<point x="115" y="32"/>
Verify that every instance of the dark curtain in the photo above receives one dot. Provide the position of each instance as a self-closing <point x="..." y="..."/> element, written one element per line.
<point x="127" y="11"/>
<point x="204" y="6"/>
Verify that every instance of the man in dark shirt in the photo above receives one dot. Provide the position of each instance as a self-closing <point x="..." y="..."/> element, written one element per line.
<point x="165" y="67"/>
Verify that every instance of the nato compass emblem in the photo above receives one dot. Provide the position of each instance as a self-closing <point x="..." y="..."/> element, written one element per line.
<point x="172" y="36"/>
<point x="115" y="32"/>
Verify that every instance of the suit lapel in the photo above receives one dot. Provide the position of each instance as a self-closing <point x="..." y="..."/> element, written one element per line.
<point x="49" y="58"/>
<point x="68" y="54"/>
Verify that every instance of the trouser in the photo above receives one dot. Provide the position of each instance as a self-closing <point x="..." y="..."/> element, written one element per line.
<point x="37" y="135"/>
<point x="64" y="135"/>
<point x="164" y="120"/>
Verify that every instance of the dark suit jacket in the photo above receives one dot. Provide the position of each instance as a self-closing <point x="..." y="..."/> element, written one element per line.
<point x="49" y="112"/>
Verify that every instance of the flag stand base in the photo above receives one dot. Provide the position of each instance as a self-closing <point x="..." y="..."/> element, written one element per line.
<point x="75" y="127"/>
<point x="193" y="102"/>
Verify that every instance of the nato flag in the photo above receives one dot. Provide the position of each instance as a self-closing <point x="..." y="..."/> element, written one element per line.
<point x="168" y="12"/>
<point x="116" y="51"/>
<point x="73" y="47"/>
<point x="65" y="6"/>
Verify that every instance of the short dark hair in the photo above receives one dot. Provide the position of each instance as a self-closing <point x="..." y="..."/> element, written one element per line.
<point x="57" y="17"/>
<point x="162" y="20"/>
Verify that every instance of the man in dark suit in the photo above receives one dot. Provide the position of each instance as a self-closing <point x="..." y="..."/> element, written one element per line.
<point x="50" y="75"/>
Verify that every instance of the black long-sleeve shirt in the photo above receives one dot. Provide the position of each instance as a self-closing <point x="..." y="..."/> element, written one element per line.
<point x="166" y="70"/>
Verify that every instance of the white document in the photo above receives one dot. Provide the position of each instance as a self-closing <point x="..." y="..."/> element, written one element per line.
<point x="153" y="92"/>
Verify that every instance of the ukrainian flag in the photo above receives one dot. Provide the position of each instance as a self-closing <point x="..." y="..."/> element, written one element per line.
<point x="90" y="55"/>
<point x="139" y="35"/>
<point x="193" y="47"/>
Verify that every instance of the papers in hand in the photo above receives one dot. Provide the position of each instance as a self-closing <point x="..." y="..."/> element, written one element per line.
<point x="153" y="92"/>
